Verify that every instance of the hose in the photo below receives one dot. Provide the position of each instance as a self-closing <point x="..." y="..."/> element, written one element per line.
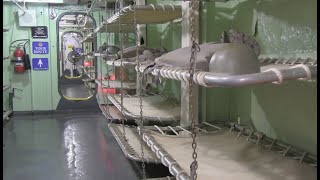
<point x="27" y="40"/>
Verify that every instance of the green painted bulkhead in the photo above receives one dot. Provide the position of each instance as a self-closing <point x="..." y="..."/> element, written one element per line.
<point x="283" y="28"/>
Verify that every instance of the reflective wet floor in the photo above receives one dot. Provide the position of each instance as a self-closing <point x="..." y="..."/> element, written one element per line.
<point x="63" y="147"/>
<point x="75" y="88"/>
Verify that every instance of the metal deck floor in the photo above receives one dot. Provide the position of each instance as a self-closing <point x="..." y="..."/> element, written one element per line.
<point x="64" y="147"/>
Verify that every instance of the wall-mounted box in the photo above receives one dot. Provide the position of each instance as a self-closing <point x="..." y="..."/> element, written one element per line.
<point x="27" y="18"/>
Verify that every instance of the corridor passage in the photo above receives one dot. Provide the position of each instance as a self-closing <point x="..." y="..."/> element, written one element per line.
<point x="63" y="147"/>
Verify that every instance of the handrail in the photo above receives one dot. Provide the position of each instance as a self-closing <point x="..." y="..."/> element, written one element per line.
<point x="209" y="79"/>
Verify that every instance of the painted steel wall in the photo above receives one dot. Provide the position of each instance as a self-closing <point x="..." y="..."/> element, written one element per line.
<point x="39" y="88"/>
<point x="283" y="28"/>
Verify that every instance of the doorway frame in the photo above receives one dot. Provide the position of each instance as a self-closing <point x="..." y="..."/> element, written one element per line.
<point x="58" y="54"/>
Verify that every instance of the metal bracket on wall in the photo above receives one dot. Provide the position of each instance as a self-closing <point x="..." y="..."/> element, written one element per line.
<point x="14" y="90"/>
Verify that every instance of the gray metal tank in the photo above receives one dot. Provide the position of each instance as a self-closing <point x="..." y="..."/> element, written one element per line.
<point x="234" y="59"/>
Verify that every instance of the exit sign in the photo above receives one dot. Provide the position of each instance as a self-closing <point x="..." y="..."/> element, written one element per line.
<point x="40" y="64"/>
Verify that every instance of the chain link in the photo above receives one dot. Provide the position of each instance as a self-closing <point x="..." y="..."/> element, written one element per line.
<point x="101" y="78"/>
<point x="107" y="69"/>
<point x="139" y="74"/>
<point x="121" y="72"/>
<point x="194" y="164"/>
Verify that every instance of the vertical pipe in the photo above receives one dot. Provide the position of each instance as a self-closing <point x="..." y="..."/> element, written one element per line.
<point x="203" y="39"/>
<point x="185" y="42"/>
<point x="30" y="75"/>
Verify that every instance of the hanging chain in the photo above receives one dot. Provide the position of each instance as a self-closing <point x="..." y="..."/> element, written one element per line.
<point x="107" y="53"/>
<point x="194" y="164"/>
<point x="108" y="88"/>
<point x="107" y="69"/>
<point x="121" y="71"/>
<point x="101" y="79"/>
<point x="139" y="74"/>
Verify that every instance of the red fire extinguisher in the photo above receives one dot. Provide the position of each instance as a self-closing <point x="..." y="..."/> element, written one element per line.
<point x="18" y="60"/>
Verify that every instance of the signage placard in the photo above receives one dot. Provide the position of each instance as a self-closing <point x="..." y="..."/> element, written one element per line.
<point x="40" y="47"/>
<point x="39" y="32"/>
<point x="40" y="64"/>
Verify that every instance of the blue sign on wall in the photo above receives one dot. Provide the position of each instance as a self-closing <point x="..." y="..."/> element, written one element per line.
<point x="40" y="64"/>
<point x="40" y="47"/>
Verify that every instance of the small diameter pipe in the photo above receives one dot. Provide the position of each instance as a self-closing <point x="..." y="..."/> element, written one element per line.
<point x="19" y="6"/>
